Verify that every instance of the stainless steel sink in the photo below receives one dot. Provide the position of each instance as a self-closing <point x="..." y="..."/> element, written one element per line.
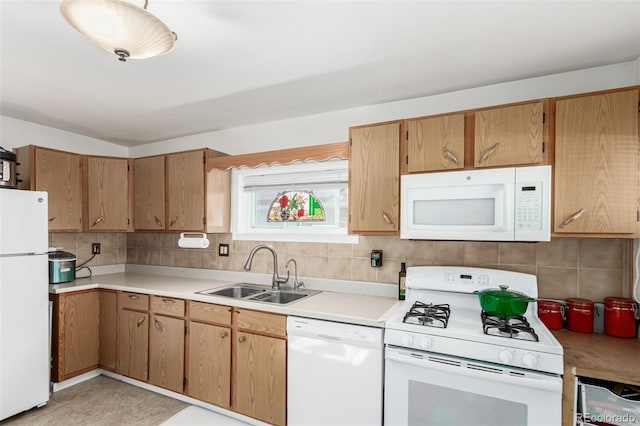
<point x="236" y="291"/>
<point x="282" y="297"/>
<point x="257" y="293"/>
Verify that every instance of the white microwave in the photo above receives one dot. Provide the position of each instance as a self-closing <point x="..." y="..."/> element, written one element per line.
<point x="509" y="204"/>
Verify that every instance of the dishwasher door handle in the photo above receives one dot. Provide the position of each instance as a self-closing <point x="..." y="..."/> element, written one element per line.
<point x="330" y="337"/>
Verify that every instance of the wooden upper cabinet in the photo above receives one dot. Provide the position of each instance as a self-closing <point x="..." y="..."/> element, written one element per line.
<point x="107" y="194"/>
<point x="185" y="191"/>
<point x="511" y="135"/>
<point x="374" y="179"/>
<point x="596" y="167"/>
<point x="435" y="143"/>
<point x="149" y="193"/>
<point x="60" y="174"/>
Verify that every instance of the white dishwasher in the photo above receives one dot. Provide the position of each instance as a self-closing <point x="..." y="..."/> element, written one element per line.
<point x="335" y="373"/>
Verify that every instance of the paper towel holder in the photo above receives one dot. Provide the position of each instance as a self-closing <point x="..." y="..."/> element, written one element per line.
<point x="193" y="240"/>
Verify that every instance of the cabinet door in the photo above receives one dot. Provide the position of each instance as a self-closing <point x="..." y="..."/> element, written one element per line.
<point x="261" y="377"/>
<point x="509" y="135"/>
<point x="374" y="179"/>
<point x="108" y="328"/>
<point x="133" y="344"/>
<point x="166" y="353"/>
<point x="209" y="374"/>
<point x="435" y="143"/>
<point x="107" y="194"/>
<point x="81" y="332"/>
<point x="596" y="168"/>
<point x="59" y="173"/>
<point x="185" y="191"/>
<point x="149" y="193"/>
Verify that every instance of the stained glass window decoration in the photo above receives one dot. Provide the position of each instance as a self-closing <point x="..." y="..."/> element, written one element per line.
<point x="296" y="206"/>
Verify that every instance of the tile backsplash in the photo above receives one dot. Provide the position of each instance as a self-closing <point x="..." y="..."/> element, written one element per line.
<point x="566" y="267"/>
<point x="113" y="246"/>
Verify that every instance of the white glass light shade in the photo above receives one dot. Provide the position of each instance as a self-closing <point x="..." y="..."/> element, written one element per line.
<point x="117" y="26"/>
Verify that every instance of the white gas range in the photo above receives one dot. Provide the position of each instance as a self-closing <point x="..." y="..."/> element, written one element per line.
<point x="447" y="363"/>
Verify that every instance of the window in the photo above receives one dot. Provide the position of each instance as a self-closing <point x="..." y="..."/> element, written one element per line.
<point x="300" y="202"/>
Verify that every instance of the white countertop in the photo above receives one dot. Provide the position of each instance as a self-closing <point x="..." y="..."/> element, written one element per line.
<point x="328" y="305"/>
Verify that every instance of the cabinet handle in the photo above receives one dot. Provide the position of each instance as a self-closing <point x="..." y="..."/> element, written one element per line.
<point x="386" y="217"/>
<point x="488" y="153"/>
<point x="158" y="222"/>
<point x="575" y="216"/>
<point x="240" y="339"/>
<point x="134" y="297"/>
<point x="98" y="220"/>
<point x="223" y="334"/>
<point x="173" y="221"/>
<point x="158" y="325"/>
<point x="51" y="219"/>
<point x="140" y="321"/>
<point x="168" y="301"/>
<point x="451" y="155"/>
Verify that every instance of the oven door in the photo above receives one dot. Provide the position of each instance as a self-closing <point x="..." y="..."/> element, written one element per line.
<point x="423" y="388"/>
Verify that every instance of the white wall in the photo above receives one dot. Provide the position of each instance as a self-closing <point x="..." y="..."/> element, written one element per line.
<point x="333" y="126"/>
<point x="16" y="133"/>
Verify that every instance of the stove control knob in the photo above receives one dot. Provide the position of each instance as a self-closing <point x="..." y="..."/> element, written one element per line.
<point x="529" y="360"/>
<point x="506" y="356"/>
<point x="425" y="343"/>
<point x="407" y="340"/>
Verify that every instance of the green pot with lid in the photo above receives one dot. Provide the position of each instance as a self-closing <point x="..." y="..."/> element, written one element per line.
<point x="503" y="302"/>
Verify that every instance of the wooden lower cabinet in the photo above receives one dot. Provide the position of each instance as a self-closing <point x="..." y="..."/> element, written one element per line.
<point x="261" y="377"/>
<point x="166" y="352"/>
<point x="133" y="344"/>
<point x="108" y="329"/>
<point x="209" y="363"/>
<point x="76" y="331"/>
<point x="260" y="366"/>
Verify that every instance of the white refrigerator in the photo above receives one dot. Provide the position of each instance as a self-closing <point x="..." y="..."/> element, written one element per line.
<point x="24" y="301"/>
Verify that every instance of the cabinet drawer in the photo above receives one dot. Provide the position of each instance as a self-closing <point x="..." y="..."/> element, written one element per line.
<point x="261" y="322"/>
<point x="167" y="305"/>
<point x="210" y="312"/>
<point x="137" y="301"/>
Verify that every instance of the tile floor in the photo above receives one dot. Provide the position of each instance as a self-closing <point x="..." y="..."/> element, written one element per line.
<point x="103" y="401"/>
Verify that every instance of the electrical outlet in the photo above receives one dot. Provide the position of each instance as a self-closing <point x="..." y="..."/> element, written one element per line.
<point x="95" y="248"/>
<point x="223" y="249"/>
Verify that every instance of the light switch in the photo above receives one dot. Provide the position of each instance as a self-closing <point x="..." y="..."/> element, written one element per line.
<point x="223" y="249"/>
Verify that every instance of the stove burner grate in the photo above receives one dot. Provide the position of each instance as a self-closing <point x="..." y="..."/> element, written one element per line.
<point x="511" y="327"/>
<point x="428" y="314"/>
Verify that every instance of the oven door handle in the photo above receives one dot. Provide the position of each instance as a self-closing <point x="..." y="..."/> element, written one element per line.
<point x="551" y="384"/>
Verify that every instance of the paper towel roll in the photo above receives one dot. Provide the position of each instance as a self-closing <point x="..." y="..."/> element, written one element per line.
<point x="193" y="240"/>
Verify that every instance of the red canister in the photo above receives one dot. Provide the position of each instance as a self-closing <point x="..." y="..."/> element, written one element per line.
<point x="620" y="316"/>
<point x="579" y="315"/>
<point x="551" y="313"/>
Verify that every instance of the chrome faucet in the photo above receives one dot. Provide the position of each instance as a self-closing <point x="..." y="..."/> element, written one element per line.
<point x="297" y="285"/>
<point x="277" y="279"/>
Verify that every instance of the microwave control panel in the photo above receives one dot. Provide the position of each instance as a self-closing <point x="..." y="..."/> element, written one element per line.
<point x="528" y="209"/>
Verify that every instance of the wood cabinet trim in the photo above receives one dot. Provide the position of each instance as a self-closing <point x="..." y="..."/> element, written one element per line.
<point x="282" y="156"/>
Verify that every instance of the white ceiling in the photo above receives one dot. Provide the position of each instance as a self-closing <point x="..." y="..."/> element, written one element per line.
<point x="243" y="62"/>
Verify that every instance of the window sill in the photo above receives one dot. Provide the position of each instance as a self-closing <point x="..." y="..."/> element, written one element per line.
<point x="299" y="238"/>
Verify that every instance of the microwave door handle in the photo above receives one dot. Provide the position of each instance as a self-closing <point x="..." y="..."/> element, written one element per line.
<point x="575" y="216"/>
<point x="488" y="153"/>
<point x="451" y="155"/>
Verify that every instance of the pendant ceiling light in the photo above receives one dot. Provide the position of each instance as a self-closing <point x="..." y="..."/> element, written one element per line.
<point x="119" y="27"/>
